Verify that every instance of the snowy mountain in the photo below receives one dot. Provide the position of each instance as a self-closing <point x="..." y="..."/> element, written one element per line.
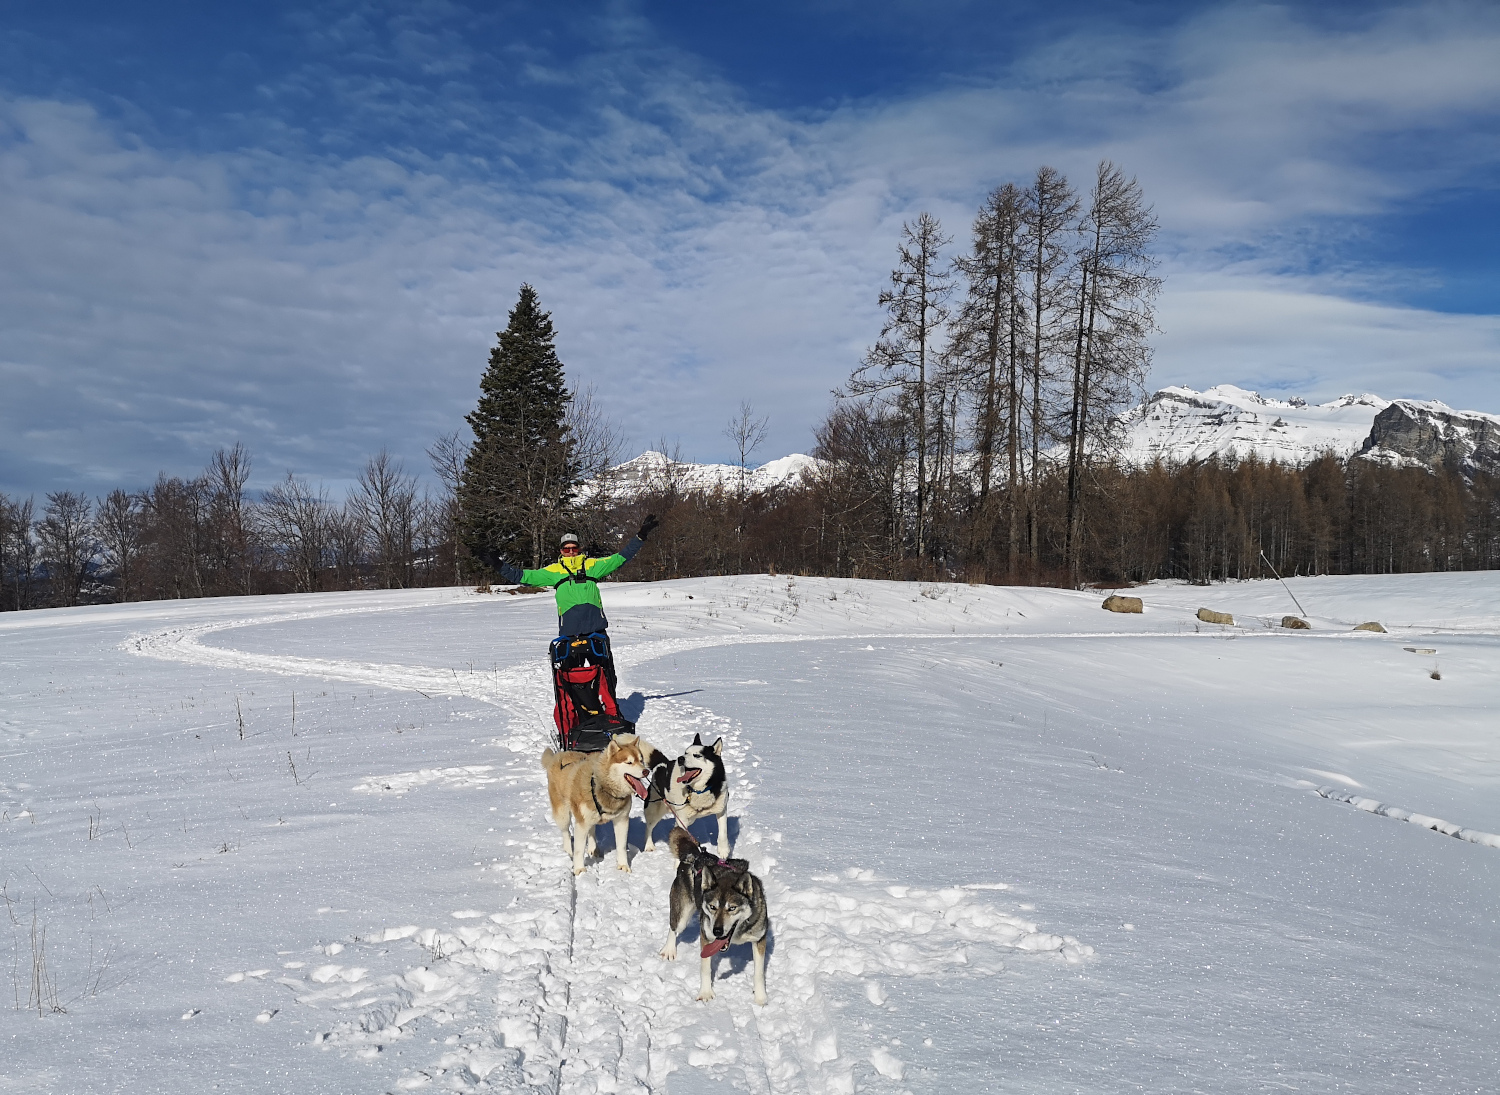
<point x="654" y="469"/>
<point x="1412" y="432"/>
<point x="1009" y="841"/>
<point x="1177" y="425"/>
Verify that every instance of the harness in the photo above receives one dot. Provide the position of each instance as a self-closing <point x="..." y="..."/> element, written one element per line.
<point x="594" y="794"/>
<point x="579" y="575"/>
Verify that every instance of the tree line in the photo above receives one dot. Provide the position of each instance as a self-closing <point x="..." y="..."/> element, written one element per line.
<point x="1204" y="521"/>
<point x="207" y="536"/>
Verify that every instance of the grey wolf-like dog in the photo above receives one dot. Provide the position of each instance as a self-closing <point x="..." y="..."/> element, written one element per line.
<point x="731" y="907"/>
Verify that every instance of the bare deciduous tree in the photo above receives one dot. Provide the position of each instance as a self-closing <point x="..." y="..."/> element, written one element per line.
<point x="17" y="554"/>
<point x="297" y="523"/>
<point x="988" y="349"/>
<point x="1048" y="214"/>
<point x="1115" y="292"/>
<point x="118" y="526"/>
<point x="384" y="502"/>
<point x="900" y="362"/>
<point x="746" y="433"/>
<point x="447" y="455"/>
<point x="67" y="546"/>
<point x="228" y="536"/>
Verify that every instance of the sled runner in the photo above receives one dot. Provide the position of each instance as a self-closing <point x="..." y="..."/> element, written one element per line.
<point x="584" y="710"/>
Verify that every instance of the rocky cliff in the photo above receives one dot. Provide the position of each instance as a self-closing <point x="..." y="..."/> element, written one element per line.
<point x="1415" y="432"/>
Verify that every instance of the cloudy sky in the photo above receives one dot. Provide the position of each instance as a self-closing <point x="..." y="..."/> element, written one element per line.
<point x="300" y="225"/>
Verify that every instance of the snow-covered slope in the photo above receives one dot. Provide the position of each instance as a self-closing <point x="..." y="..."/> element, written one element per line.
<point x="654" y="470"/>
<point x="1011" y="842"/>
<point x="1179" y="424"/>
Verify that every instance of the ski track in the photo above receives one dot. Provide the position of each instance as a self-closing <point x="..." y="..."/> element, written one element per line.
<point x="563" y="991"/>
<point x="1437" y="825"/>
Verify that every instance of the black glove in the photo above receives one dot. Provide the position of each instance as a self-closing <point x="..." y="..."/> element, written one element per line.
<point x="647" y="527"/>
<point x="507" y="571"/>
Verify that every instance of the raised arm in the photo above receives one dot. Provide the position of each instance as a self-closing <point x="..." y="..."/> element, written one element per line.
<point x="509" y="571"/>
<point x="601" y="568"/>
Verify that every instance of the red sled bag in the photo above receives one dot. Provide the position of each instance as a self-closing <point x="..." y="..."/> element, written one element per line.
<point x="584" y="710"/>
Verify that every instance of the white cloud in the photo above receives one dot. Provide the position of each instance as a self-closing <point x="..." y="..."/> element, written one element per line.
<point x="1288" y="335"/>
<point x="694" y="250"/>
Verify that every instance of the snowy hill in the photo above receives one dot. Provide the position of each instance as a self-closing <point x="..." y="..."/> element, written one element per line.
<point x="1177" y="425"/>
<point x="1010" y="842"/>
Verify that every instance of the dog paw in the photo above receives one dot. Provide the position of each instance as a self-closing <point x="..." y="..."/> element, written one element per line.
<point x="579" y="870"/>
<point x="669" y="952"/>
<point x="706" y="994"/>
<point x="760" y="998"/>
<point x="623" y="867"/>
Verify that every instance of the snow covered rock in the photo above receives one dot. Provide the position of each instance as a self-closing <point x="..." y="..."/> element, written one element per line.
<point x="1426" y="433"/>
<point x="1209" y="616"/>
<point x="1116" y="603"/>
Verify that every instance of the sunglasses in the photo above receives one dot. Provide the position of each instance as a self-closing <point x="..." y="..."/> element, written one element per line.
<point x="571" y="549"/>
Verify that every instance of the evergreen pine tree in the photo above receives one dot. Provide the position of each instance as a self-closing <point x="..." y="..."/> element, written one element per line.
<point x="520" y="473"/>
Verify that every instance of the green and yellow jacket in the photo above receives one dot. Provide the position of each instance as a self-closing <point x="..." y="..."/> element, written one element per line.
<point x="575" y="583"/>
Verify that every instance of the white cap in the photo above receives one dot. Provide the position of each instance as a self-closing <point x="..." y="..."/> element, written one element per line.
<point x="568" y="538"/>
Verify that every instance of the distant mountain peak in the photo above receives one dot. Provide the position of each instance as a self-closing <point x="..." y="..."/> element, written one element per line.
<point x="1178" y="424"/>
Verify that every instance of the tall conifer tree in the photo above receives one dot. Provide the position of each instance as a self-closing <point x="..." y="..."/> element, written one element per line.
<point x="520" y="473"/>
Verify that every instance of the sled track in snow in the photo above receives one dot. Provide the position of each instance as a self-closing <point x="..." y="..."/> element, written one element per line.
<point x="577" y="1002"/>
<point x="1437" y="825"/>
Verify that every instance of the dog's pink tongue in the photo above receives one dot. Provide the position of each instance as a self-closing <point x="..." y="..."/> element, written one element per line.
<point x="713" y="948"/>
<point x="637" y="786"/>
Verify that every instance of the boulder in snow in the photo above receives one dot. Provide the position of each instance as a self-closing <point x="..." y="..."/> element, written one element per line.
<point x="1295" y="623"/>
<point x="1116" y="603"/>
<point x="1209" y="616"/>
<point x="1370" y="625"/>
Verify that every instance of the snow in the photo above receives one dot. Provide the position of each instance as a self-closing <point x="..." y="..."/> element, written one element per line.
<point x="651" y="467"/>
<point x="1010" y="842"/>
<point x="1179" y="424"/>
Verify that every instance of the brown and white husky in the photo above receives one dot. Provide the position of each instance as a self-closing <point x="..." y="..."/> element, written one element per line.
<point x="588" y="789"/>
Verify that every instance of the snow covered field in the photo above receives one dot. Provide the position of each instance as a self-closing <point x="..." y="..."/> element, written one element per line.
<point x="1011" y="843"/>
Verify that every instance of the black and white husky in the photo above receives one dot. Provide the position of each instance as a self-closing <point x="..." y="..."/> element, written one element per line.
<point x="731" y="907"/>
<point x="696" y="787"/>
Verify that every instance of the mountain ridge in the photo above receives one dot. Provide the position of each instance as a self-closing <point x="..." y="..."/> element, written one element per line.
<point x="1179" y="425"/>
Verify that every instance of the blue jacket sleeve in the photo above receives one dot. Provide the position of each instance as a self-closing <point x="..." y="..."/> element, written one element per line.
<point x="629" y="550"/>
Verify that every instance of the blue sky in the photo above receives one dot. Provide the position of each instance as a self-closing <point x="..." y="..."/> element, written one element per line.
<point x="299" y="226"/>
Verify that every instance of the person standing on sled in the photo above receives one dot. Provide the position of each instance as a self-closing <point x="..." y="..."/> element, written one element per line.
<point x="575" y="580"/>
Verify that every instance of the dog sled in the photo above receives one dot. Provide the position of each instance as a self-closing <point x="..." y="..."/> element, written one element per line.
<point x="584" y="708"/>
